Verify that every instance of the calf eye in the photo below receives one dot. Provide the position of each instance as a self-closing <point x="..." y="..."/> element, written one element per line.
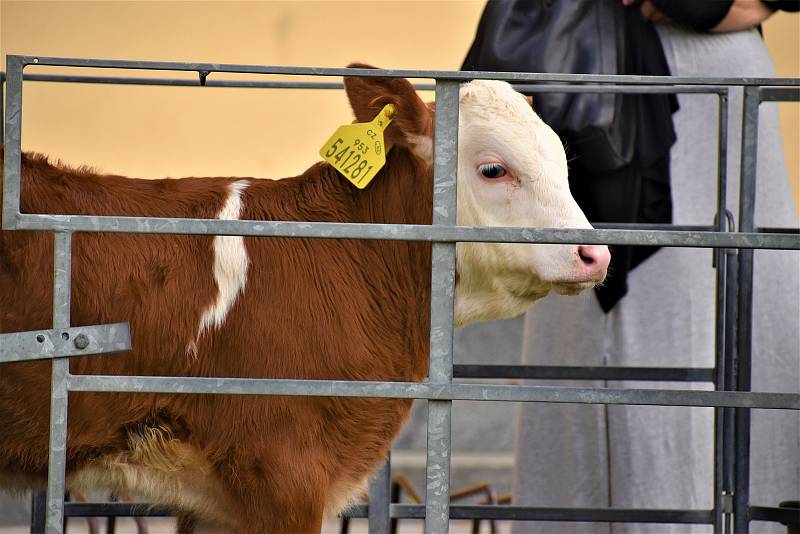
<point x="492" y="171"/>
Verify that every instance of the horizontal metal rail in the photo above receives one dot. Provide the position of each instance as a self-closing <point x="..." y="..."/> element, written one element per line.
<point x="499" y="512"/>
<point x="525" y="513"/>
<point x="115" y="509"/>
<point x="779" y="94"/>
<point x="556" y="372"/>
<point x="415" y="390"/>
<point x="61" y="342"/>
<point x="397" y="73"/>
<point x="413" y="511"/>
<point x="253" y="84"/>
<point x="408" y="232"/>
<point x="785" y="515"/>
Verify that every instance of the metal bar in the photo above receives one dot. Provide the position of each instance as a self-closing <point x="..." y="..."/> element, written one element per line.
<point x="767" y="230"/>
<point x="188" y="82"/>
<point x="558" y="372"/>
<point x="245" y="84"/>
<point x="747" y="200"/>
<point x="625" y="89"/>
<point x="719" y="385"/>
<point x="787" y="516"/>
<point x="413" y="511"/>
<point x="719" y="326"/>
<point x="409" y="232"/>
<point x="379" y="499"/>
<point x="12" y="142"/>
<point x="728" y="423"/>
<point x="779" y="94"/>
<point x="426" y="390"/>
<point x="443" y="277"/>
<point x="519" y="513"/>
<point x="399" y="73"/>
<point x="38" y="511"/>
<point x="56" y="467"/>
<point x="525" y="513"/>
<point x="653" y="226"/>
<point x="2" y="101"/>
<point x="115" y="509"/>
<point x="61" y="342"/>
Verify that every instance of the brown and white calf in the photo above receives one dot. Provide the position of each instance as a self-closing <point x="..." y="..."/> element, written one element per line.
<point x="274" y="308"/>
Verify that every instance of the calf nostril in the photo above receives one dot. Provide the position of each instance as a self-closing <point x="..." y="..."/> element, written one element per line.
<point x="585" y="256"/>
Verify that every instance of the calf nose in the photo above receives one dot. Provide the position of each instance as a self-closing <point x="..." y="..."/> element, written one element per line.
<point x="594" y="260"/>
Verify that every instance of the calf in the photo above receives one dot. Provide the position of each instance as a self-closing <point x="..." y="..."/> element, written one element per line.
<point x="274" y="308"/>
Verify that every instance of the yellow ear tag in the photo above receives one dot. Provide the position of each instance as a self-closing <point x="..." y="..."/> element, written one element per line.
<point x="358" y="150"/>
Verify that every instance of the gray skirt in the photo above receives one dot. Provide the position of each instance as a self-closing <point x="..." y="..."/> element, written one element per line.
<point x="661" y="457"/>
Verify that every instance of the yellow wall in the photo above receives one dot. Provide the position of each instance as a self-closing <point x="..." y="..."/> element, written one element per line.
<point x="154" y="131"/>
<point x="782" y="33"/>
<point x="201" y="131"/>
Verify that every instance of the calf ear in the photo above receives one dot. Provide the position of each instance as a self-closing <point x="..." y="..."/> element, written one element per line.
<point x="412" y="125"/>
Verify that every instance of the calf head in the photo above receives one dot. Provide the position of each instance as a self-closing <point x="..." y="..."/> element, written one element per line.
<point x="512" y="171"/>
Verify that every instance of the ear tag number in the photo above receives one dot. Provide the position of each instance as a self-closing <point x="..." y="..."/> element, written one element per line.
<point x="358" y="150"/>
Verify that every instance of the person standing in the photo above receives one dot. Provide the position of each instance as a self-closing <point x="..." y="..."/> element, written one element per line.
<point x="661" y="457"/>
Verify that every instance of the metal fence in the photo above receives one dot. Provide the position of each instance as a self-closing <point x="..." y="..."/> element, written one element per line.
<point x="731" y="399"/>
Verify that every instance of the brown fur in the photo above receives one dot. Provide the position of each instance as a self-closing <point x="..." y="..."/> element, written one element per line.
<point x="312" y="309"/>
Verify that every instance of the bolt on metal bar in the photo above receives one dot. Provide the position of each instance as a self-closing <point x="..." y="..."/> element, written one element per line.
<point x="398" y="73"/>
<point x="61" y="342"/>
<point x="445" y="169"/>
<point x="56" y="467"/>
<point x="747" y="200"/>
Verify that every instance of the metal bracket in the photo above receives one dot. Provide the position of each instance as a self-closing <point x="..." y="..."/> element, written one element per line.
<point x="203" y="75"/>
<point x="727" y="503"/>
<point x="730" y="227"/>
<point x="65" y="342"/>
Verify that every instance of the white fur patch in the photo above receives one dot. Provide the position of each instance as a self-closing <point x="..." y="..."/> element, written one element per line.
<point x="230" y="264"/>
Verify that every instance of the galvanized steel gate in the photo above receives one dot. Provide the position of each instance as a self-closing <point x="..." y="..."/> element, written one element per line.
<point x="733" y="255"/>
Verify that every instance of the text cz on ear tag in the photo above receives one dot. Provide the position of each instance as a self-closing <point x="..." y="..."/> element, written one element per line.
<point x="357" y="150"/>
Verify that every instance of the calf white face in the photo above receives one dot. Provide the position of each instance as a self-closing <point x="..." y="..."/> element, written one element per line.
<point x="512" y="171"/>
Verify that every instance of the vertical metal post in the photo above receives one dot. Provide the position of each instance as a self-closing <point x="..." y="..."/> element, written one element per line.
<point x="56" y="468"/>
<point x="2" y="98"/>
<point x="437" y="496"/>
<point x="728" y="423"/>
<point x="12" y="141"/>
<point x="747" y="200"/>
<point x="38" y="511"/>
<point x="719" y="350"/>
<point x="379" y="499"/>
